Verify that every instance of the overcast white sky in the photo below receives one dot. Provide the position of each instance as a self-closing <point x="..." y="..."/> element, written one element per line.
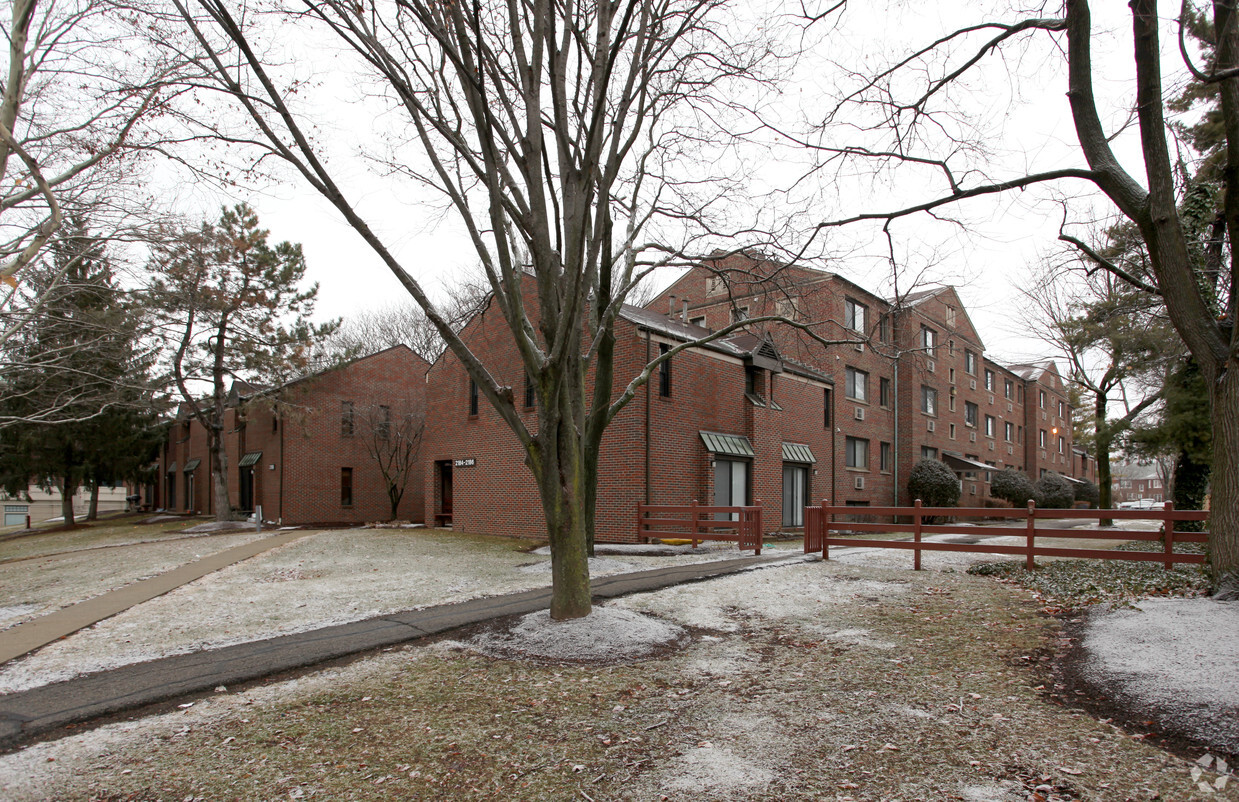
<point x="1026" y="129"/>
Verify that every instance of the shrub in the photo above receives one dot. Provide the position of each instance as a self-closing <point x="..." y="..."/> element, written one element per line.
<point x="1087" y="492"/>
<point x="1013" y="486"/>
<point x="1053" y="490"/>
<point x="933" y="483"/>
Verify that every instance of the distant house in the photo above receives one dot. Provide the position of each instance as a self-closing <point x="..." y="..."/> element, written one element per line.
<point x="1133" y="481"/>
<point x="43" y="505"/>
<point x="299" y="452"/>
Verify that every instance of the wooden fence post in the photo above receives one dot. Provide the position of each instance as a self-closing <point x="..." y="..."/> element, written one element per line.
<point x="821" y="522"/>
<point x="692" y="528"/>
<point x="1168" y="535"/>
<point x="916" y="534"/>
<point x="1032" y="532"/>
<point x="757" y="527"/>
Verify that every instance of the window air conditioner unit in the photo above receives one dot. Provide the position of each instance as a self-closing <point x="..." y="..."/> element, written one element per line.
<point x="1010" y="449"/>
<point x="929" y="365"/>
<point x="931" y="426"/>
<point x="860" y="413"/>
<point x="972" y="437"/>
<point x="972" y="384"/>
<point x="991" y="446"/>
<point x="1009" y="407"/>
<point x="991" y="400"/>
<point x="860" y="347"/>
<point x="859" y="484"/>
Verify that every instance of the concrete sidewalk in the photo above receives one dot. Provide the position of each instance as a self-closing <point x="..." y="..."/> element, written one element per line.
<point x="29" y="713"/>
<point x="43" y="630"/>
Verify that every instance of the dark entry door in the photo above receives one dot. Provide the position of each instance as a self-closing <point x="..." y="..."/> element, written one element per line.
<point x="247" y="489"/>
<point x="445" y="492"/>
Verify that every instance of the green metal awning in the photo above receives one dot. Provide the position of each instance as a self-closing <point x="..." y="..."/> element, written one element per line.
<point x="250" y="459"/>
<point x="193" y="463"/>
<point x="797" y="452"/>
<point x="731" y="445"/>
<point x="171" y="467"/>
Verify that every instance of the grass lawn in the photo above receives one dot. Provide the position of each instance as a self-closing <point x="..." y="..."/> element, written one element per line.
<point x="804" y="682"/>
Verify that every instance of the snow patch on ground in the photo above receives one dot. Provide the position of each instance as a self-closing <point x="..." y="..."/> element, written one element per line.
<point x="1177" y="658"/>
<point x="605" y="634"/>
<point x="717" y="770"/>
<point x="598" y="566"/>
<point x="218" y="526"/>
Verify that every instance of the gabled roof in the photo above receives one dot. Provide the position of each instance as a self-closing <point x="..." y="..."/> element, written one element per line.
<point x="1031" y="370"/>
<point x="760" y="351"/>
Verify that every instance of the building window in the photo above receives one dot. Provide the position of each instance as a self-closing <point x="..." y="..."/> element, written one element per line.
<point x="970" y="363"/>
<point x="275" y="423"/>
<point x="929" y="400"/>
<point x="382" y="428"/>
<point x="952" y="375"/>
<point x="1061" y="443"/>
<point x="731" y="486"/>
<point x="1008" y="432"/>
<point x="346" y="487"/>
<point x="990" y="425"/>
<point x="856" y="384"/>
<point x="739" y="313"/>
<point x="664" y="372"/>
<point x="347" y="425"/>
<point x="1041" y="438"/>
<point x="857" y="453"/>
<point x="951" y="429"/>
<point x="884" y="456"/>
<point x="827" y="403"/>
<point x="699" y="321"/>
<point x="853" y="316"/>
<point x="950" y="316"/>
<point x="531" y="398"/>
<point x="1060" y="410"/>
<point x="989" y="380"/>
<point x="1008" y="389"/>
<point x="884" y="392"/>
<point x="929" y="340"/>
<point x="970" y="414"/>
<point x="929" y="453"/>
<point x="473" y="398"/>
<point x="884" y="328"/>
<point x="1041" y="397"/>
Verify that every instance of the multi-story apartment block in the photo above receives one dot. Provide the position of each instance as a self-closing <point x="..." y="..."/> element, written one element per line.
<point x="1135" y="482"/>
<point x="911" y="373"/>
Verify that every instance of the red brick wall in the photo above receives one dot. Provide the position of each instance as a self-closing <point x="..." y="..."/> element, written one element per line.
<point x="297" y="479"/>
<point x="497" y="494"/>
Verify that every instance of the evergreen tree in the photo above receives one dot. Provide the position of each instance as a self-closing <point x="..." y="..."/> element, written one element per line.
<point x="231" y="309"/>
<point x="74" y="376"/>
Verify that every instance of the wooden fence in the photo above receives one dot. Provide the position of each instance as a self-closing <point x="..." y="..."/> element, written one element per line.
<point x="821" y="521"/>
<point x="699" y="523"/>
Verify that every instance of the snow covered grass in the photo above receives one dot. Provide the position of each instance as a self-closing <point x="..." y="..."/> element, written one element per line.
<point x="124" y="531"/>
<point x="324" y="578"/>
<point x="803" y="682"/>
<point x="41" y="585"/>
<point x="1177" y="660"/>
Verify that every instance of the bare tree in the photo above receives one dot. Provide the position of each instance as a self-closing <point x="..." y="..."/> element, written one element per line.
<point x="573" y="142"/>
<point x="393" y="436"/>
<point x="911" y="103"/>
<point x="81" y="88"/>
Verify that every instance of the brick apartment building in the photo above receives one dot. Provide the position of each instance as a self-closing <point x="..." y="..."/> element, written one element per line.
<point x="303" y="459"/>
<point x="912" y="377"/>
<point x="731" y="422"/>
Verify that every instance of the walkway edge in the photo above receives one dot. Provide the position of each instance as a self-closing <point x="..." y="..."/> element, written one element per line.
<point x="26" y="714"/>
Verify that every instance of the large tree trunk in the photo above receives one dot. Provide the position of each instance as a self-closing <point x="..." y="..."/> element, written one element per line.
<point x="92" y="511"/>
<point x="1103" y="440"/>
<point x="559" y="468"/>
<point x="68" y="487"/>
<point x="1224" y="503"/>
<point x="219" y="474"/>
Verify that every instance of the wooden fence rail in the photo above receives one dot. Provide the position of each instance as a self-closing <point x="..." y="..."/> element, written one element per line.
<point x="698" y="523"/>
<point x="821" y="521"/>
